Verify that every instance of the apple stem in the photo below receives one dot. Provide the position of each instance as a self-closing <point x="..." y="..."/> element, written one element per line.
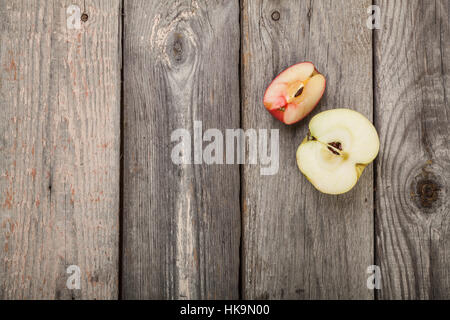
<point x="310" y="137"/>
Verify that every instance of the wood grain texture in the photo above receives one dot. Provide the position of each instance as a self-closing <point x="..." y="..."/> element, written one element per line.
<point x="298" y="243"/>
<point x="412" y="114"/>
<point x="181" y="222"/>
<point x="59" y="149"/>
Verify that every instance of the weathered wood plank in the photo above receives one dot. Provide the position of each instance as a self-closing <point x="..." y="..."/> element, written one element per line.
<point x="298" y="243"/>
<point x="412" y="113"/>
<point x="181" y="222"/>
<point x="59" y="149"/>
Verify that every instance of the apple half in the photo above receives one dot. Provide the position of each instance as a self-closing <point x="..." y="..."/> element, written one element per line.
<point x="339" y="145"/>
<point x="295" y="92"/>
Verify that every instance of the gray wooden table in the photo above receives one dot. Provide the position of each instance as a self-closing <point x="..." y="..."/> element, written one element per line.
<point x="88" y="106"/>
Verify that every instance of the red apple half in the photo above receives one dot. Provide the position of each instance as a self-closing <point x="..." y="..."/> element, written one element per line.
<point x="295" y="92"/>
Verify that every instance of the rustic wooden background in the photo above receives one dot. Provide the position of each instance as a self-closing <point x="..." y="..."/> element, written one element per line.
<point x="86" y="177"/>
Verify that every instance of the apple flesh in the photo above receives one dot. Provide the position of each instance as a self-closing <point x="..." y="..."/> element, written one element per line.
<point x="295" y="92"/>
<point x="339" y="145"/>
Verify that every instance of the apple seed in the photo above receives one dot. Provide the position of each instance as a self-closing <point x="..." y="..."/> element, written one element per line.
<point x="334" y="151"/>
<point x="336" y="145"/>
<point x="300" y="91"/>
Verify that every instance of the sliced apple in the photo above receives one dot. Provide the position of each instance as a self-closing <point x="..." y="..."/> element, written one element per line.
<point x="295" y="92"/>
<point x="340" y="144"/>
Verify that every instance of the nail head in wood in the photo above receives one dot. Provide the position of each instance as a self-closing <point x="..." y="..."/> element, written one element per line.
<point x="84" y="17"/>
<point x="275" y="16"/>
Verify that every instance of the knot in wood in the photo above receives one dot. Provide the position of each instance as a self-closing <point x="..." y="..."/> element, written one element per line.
<point x="428" y="187"/>
<point x="428" y="192"/>
<point x="177" y="50"/>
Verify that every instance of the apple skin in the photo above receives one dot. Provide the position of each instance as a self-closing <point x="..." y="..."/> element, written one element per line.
<point x="280" y="115"/>
<point x="277" y="114"/>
